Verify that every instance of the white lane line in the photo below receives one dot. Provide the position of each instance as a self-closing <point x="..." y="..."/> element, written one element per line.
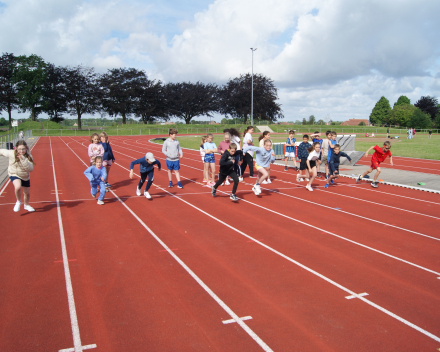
<point x="357" y="296"/>
<point x="71" y="301"/>
<point x="234" y="316"/>
<point x="334" y="283"/>
<point x="86" y="347"/>
<point x="230" y="321"/>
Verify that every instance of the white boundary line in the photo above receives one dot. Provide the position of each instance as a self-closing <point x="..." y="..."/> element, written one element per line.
<point x="71" y="301"/>
<point x="359" y="296"/>
<point x="234" y="316"/>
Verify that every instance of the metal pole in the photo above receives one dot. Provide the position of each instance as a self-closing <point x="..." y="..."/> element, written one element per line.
<point x="252" y="88"/>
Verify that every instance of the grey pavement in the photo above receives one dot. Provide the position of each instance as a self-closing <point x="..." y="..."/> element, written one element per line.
<point x="4" y="162"/>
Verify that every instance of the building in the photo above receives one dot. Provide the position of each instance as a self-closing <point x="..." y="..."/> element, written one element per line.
<point x="355" y="122"/>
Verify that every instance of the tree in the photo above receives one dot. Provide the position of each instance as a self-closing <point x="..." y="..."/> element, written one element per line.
<point x="8" y="87"/>
<point x="429" y="105"/>
<point x="381" y="112"/>
<point x="362" y="123"/>
<point x="54" y="93"/>
<point x="152" y="102"/>
<point x="402" y="100"/>
<point x="304" y="121"/>
<point x="30" y="76"/>
<point x="122" y="87"/>
<point x="187" y="100"/>
<point x="83" y="94"/>
<point x="236" y="98"/>
<point x="320" y="122"/>
<point x="401" y="114"/>
<point x="420" y="119"/>
<point x="312" y="120"/>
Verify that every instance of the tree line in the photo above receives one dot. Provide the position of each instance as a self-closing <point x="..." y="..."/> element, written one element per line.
<point x="424" y="114"/>
<point x="30" y="84"/>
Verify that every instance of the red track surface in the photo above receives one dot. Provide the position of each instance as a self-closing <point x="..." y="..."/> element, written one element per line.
<point x="286" y="258"/>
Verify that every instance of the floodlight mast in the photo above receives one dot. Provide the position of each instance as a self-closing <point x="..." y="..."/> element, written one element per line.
<point x="252" y="88"/>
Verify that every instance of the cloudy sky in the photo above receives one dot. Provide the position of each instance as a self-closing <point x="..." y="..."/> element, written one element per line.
<point x="330" y="58"/>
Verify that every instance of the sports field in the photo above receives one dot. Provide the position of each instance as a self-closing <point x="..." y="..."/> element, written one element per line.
<point x="348" y="268"/>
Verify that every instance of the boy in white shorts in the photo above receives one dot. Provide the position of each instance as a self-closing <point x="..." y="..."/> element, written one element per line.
<point x="290" y="150"/>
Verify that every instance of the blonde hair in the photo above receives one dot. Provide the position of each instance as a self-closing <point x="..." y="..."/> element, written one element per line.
<point x="203" y="139"/>
<point x="104" y="134"/>
<point x="93" y="135"/>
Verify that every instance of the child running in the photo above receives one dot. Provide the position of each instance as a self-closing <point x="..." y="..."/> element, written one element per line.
<point x="20" y="166"/>
<point x="290" y="150"/>
<point x="265" y="156"/>
<point x="146" y="165"/>
<point x="202" y="154"/>
<point x="223" y="146"/>
<point x="263" y="138"/>
<point x="97" y="176"/>
<point x="303" y="154"/>
<point x="333" y="164"/>
<point x="210" y="149"/>
<point x="248" y="159"/>
<point x="95" y="148"/>
<point x="312" y="159"/>
<point x="107" y="158"/>
<point x="171" y="149"/>
<point x="227" y="162"/>
<point x="380" y="154"/>
<point x="324" y="151"/>
<point x="235" y="138"/>
<point x="316" y="137"/>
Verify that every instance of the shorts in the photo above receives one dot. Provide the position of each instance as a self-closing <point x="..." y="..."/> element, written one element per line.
<point x="333" y="169"/>
<point x="23" y="183"/>
<point x="107" y="162"/>
<point x="303" y="164"/>
<point x="173" y="165"/>
<point x="209" y="158"/>
<point x="261" y="167"/>
<point x="312" y="163"/>
<point x="289" y="154"/>
<point x="374" y="164"/>
<point x="324" y="159"/>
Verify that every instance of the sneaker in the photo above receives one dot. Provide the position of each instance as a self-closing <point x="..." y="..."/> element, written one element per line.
<point x="205" y="180"/>
<point x="227" y="183"/>
<point x="307" y="180"/>
<point x="374" y="184"/>
<point x="138" y="191"/>
<point x="298" y="179"/>
<point x="179" y="185"/>
<point x="326" y="185"/>
<point x="147" y="195"/>
<point x="265" y="182"/>
<point x="286" y="169"/>
<point x="240" y="179"/>
<point x="107" y="185"/>
<point x="233" y="197"/>
<point x="28" y="208"/>
<point x="100" y="202"/>
<point x="359" y="178"/>
<point x="170" y="185"/>
<point x="252" y="176"/>
<point x="258" y="188"/>
<point x="332" y="182"/>
<point x="326" y="177"/>
<point x="255" y="190"/>
<point x="268" y="180"/>
<point x="213" y="192"/>
<point x="309" y="188"/>
<point x="94" y="195"/>
<point x="17" y="206"/>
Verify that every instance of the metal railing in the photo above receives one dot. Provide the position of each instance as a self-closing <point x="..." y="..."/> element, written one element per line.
<point x="5" y="139"/>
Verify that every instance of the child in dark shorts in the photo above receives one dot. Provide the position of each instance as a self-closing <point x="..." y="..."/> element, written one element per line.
<point x="333" y="165"/>
<point x="302" y="156"/>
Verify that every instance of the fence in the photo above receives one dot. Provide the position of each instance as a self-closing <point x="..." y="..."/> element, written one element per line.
<point x="12" y="138"/>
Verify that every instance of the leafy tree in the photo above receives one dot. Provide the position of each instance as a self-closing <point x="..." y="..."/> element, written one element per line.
<point x="187" y="100"/>
<point x="420" y="119"/>
<point x="437" y="120"/>
<point x="312" y="120"/>
<point x="122" y="87"/>
<point x="8" y="88"/>
<point x="54" y="93"/>
<point x="402" y="100"/>
<point x="429" y="105"/>
<point x="236" y="98"/>
<point x="3" y="122"/>
<point x="381" y="112"/>
<point x="152" y="103"/>
<point x="320" y="122"/>
<point x="83" y="94"/>
<point x="401" y="114"/>
<point x="304" y="121"/>
<point x="297" y="122"/>
<point x="362" y="123"/>
<point x="30" y="76"/>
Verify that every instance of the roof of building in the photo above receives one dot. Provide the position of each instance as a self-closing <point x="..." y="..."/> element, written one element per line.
<point x="355" y="122"/>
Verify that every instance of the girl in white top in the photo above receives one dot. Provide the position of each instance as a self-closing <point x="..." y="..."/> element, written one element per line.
<point x="265" y="136"/>
<point x="248" y="158"/>
<point x="312" y="159"/>
<point x="202" y="154"/>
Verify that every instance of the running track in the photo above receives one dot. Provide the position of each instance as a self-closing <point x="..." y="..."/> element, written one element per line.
<point x="163" y="275"/>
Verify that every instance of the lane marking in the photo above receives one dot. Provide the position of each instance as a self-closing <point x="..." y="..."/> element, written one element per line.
<point x="70" y="299"/>
<point x="86" y="347"/>
<point x="230" y="321"/>
<point x="70" y="260"/>
<point x="356" y="295"/>
<point x="164" y="250"/>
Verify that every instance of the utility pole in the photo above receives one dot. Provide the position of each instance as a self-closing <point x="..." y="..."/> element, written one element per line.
<point x="252" y="89"/>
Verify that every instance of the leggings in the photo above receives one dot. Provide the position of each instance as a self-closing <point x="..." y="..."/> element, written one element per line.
<point x="248" y="160"/>
<point x="222" y="178"/>
<point x="144" y="175"/>
<point x="237" y="167"/>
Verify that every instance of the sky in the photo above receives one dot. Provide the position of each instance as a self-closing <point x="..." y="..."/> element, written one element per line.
<point x="330" y="58"/>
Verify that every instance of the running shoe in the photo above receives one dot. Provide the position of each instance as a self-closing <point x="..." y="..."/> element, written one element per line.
<point x="326" y="185"/>
<point x="138" y="191"/>
<point x="265" y="182"/>
<point x="147" y="195"/>
<point x="28" y="208"/>
<point x="210" y="184"/>
<point x="309" y="188"/>
<point x="227" y="182"/>
<point x="359" y="178"/>
<point x="205" y="180"/>
<point x="233" y="197"/>
<point x="268" y="180"/>
<point x="299" y="179"/>
<point x="170" y="184"/>
<point x="286" y="169"/>
<point x="240" y="179"/>
<point x="374" y="184"/>
<point x="179" y="185"/>
<point x="213" y="192"/>
<point x="332" y="182"/>
<point x="17" y="206"/>
<point x="326" y="177"/>
<point x="255" y="190"/>
<point x="100" y="202"/>
<point x="258" y="188"/>
<point x="93" y="194"/>
<point x="252" y="176"/>
<point x="107" y="185"/>
<point x="307" y="180"/>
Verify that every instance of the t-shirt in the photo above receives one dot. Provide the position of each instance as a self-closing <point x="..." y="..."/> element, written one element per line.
<point x="290" y="149"/>
<point x="208" y="145"/>
<point x="223" y="146"/>
<point x="236" y="140"/>
<point x="317" y="140"/>
<point x="379" y="155"/>
<point x="314" y="155"/>
<point x="330" y="150"/>
<point x="324" y="146"/>
<point x="247" y="137"/>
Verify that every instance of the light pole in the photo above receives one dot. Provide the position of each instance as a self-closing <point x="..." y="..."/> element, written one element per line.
<point x="252" y="89"/>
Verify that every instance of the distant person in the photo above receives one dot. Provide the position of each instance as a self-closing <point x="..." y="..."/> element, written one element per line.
<point x="302" y="156"/>
<point x="108" y="158"/>
<point x="95" y="148"/>
<point x="235" y="138"/>
<point x="202" y="154"/>
<point x="262" y="139"/>
<point x="21" y="135"/>
<point x="172" y="150"/>
<point x="146" y="165"/>
<point x="290" y="150"/>
<point x="312" y="161"/>
<point x="209" y="160"/>
<point x="430" y="133"/>
<point x="265" y="157"/>
<point x="380" y="154"/>
<point x="325" y="150"/>
<point x="333" y="164"/>
<point x="248" y="159"/>
<point x="224" y="146"/>
<point x="388" y="133"/>
<point x="96" y="174"/>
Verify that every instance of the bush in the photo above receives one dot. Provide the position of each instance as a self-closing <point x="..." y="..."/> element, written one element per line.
<point x="420" y="120"/>
<point x="362" y="123"/>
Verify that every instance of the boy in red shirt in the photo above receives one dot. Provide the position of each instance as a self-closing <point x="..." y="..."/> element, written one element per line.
<point x="380" y="154"/>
